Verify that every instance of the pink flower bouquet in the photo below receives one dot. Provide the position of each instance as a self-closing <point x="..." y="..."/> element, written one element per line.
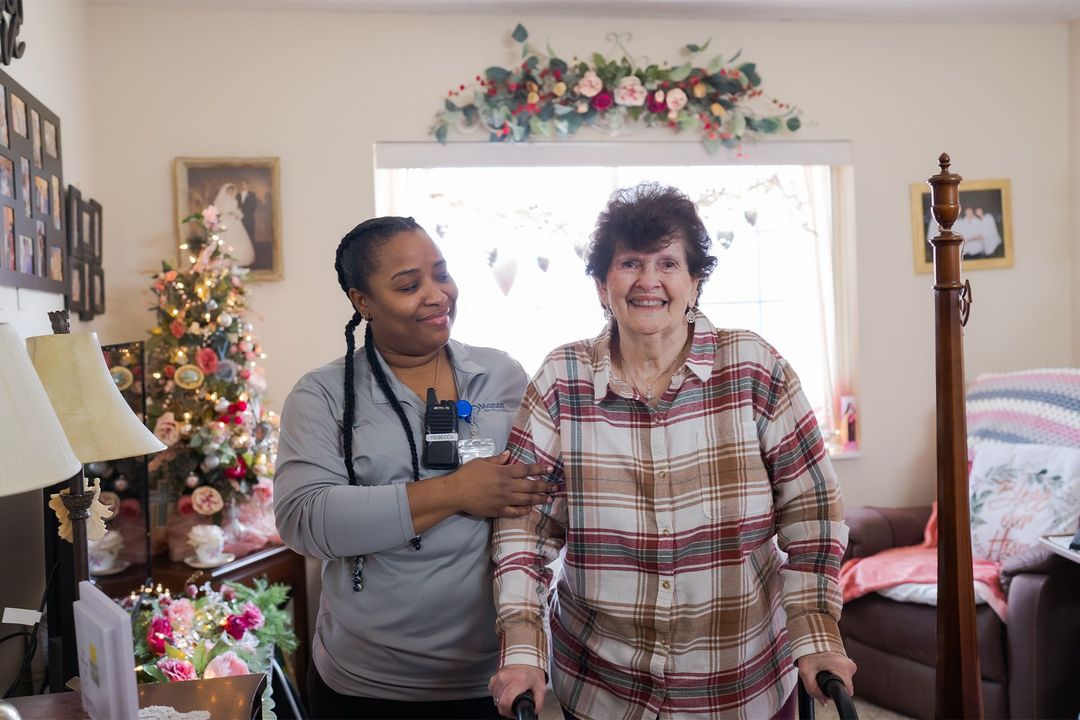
<point x="208" y="633"/>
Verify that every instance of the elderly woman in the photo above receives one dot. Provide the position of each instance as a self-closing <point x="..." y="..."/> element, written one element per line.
<point x="684" y="455"/>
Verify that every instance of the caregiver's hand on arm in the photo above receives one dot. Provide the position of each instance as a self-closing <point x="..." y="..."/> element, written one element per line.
<point x="486" y="487"/>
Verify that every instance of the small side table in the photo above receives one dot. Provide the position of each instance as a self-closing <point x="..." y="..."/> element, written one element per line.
<point x="1060" y="545"/>
<point x="277" y="564"/>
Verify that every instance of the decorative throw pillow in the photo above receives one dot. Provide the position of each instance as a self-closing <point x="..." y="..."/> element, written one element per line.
<point x="1019" y="493"/>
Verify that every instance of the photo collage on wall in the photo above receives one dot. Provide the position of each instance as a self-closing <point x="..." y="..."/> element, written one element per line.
<point x="86" y="286"/>
<point x="33" y="250"/>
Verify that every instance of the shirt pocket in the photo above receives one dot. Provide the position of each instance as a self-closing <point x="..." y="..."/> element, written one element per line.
<point x="734" y="483"/>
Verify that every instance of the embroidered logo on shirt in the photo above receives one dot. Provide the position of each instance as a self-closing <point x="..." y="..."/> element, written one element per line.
<point x="496" y="406"/>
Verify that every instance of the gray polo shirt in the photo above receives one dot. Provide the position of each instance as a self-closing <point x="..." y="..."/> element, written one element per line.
<point x="423" y="627"/>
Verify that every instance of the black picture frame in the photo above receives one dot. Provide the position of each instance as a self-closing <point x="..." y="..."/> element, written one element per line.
<point x="76" y="285"/>
<point x="95" y="231"/>
<point x="73" y="207"/>
<point x="36" y="195"/>
<point x="95" y="292"/>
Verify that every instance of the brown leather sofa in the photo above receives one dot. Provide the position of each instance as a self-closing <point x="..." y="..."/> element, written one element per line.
<point x="1030" y="666"/>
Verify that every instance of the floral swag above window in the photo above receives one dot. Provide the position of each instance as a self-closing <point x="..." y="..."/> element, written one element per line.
<point x="548" y="96"/>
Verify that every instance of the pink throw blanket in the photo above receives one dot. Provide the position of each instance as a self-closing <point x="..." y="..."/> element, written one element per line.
<point x="914" y="564"/>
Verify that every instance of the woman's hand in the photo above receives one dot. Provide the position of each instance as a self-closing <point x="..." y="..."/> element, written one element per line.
<point x="839" y="665"/>
<point x="511" y="681"/>
<point x="489" y="487"/>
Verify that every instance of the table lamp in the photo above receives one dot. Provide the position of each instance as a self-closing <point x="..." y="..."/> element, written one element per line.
<point x="99" y="426"/>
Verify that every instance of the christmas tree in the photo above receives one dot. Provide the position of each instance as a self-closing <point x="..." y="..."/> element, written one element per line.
<point x="203" y="388"/>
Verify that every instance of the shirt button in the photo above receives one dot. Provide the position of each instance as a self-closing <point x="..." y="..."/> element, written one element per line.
<point x="662" y="475"/>
<point x="666" y="584"/>
<point x="666" y="531"/>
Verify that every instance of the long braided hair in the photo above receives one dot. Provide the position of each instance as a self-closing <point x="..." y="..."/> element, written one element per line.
<point x="354" y="262"/>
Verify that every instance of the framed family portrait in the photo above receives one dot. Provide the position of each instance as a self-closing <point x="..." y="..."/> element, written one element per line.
<point x="247" y="195"/>
<point x="34" y="248"/>
<point x="985" y="221"/>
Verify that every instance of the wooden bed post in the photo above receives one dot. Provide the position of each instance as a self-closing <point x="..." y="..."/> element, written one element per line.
<point x="958" y="675"/>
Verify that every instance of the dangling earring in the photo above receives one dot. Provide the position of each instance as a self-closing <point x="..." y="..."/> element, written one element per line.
<point x="691" y="315"/>
<point x="607" y="313"/>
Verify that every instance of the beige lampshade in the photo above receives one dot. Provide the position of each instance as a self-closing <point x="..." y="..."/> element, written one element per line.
<point x="34" y="452"/>
<point x="98" y="422"/>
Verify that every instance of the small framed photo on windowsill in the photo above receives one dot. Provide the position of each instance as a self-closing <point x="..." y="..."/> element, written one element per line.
<point x="985" y="221"/>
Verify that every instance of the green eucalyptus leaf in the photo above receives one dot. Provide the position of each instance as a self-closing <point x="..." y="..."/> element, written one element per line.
<point x="735" y="56"/>
<point x="598" y="60"/>
<point x="738" y="124"/>
<point x="496" y="74"/>
<point x="750" y="71"/>
<point x="449" y="105"/>
<point x="557" y="65"/>
<point x="793" y="124"/>
<point x="520" y="34"/>
<point x="471" y="115"/>
<point x="711" y="144"/>
<point x="715" y="64"/>
<point x="567" y="126"/>
<point x="561" y="110"/>
<point x="680" y="73"/>
<point x="547" y="112"/>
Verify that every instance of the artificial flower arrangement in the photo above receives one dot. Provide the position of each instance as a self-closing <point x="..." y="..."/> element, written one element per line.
<point x="204" y="386"/>
<point x="546" y="95"/>
<point x="208" y="633"/>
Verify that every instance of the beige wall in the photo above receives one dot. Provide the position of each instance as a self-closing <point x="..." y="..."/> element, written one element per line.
<point x="1074" y="163"/>
<point x="318" y="89"/>
<point x="55" y="68"/>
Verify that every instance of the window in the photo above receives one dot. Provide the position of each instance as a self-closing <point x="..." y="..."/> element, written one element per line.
<point x="514" y="239"/>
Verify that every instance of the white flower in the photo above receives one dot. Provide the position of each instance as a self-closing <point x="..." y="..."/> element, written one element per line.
<point x="630" y="91"/>
<point x="676" y="99"/>
<point x="590" y="84"/>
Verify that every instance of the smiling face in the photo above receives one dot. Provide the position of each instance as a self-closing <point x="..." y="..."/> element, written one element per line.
<point x="411" y="298"/>
<point x="649" y="292"/>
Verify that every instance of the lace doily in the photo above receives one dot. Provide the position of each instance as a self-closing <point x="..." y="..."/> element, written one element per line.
<point x="164" y="712"/>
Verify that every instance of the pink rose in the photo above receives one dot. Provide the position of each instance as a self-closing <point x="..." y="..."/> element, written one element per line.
<point x="224" y="665"/>
<point x="676" y="99"/>
<point x="181" y="613"/>
<point x="210" y="216"/>
<point x="590" y="84"/>
<point x="157" y="634"/>
<point x="177" y="328"/>
<point x="264" y="491"/>
<point x="252" y="615"/>
<point x="207" y="360"/>
<point x="169" y="276"/>
<point x="630" y="92"/>
<point x="177" y="670"/>
<point x="602" y="101"/>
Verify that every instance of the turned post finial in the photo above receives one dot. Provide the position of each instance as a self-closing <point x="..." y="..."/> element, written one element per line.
<point x="61" y="322"/>
<point x="945" y="195"/>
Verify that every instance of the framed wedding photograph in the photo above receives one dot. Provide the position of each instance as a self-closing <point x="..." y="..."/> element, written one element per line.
<point x="985" y="221"/>
<point x="247" y="195"/>
<point x="77" y="299"/>
<point x="95" y="293"/>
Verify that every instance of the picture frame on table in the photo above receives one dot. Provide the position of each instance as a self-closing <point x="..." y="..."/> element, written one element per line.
<point x="247" y="195"/>
<point x="34" y="245"/>
<point x="985" y="221"/>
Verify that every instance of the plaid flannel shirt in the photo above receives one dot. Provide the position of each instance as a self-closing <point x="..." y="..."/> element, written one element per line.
<point x="674" y="599"/>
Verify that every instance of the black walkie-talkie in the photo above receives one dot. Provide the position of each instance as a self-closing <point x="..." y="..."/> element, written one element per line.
<point x="440" y="433"/>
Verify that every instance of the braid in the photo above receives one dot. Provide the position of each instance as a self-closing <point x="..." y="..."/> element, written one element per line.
<point x="384" y="385"/>
<point x="350" y="394"/>
<point x="354" y="261"/>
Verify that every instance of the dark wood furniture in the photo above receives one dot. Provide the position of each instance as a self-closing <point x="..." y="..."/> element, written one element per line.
<point x="228" y="698"/>
<point x="958" y="690"/>
<point x="277" y="564"/>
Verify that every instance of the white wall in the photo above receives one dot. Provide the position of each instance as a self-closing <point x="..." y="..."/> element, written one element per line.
<point x="319" y="88"/>
<point x="1074" y="163"/>
<point x="55" y="69"/>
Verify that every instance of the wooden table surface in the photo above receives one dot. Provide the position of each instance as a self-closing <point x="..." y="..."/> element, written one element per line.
<point x="228" y="698"/>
